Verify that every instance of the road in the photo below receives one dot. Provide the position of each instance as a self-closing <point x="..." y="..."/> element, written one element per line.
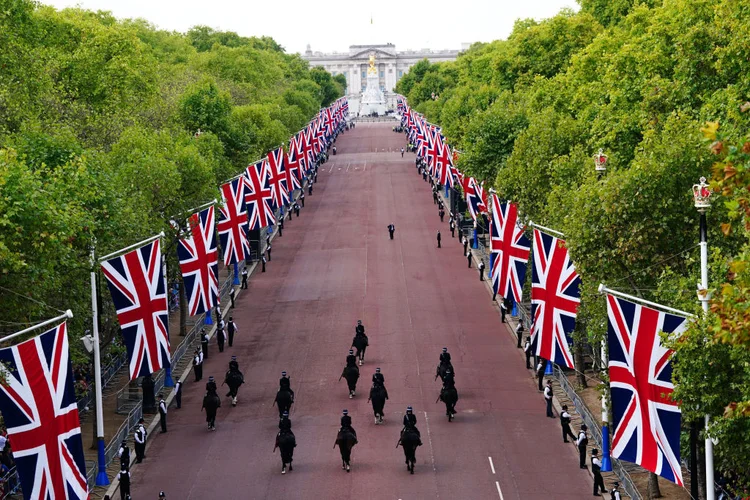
<point x="334" y="265"/>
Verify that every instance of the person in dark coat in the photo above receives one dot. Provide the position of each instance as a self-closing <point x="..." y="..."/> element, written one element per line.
<point x="231" y="330"/>
<point x="351" y="359"/>
<point x="582" y="442"/>
<point x="540" y="372"/>
<point x="211" y="384"/>
<point x="178" y="394"/>
<point x="359" y="329"/>
<point x="285" y="384"/>
<point x="198" y="364"/>
<point x="360" y="342"/>
<point x="465" y="242"/>
<point x="231" y="297"/>
<point x="453" y="229"/>
<point x="438" y="238"/>
<point x="296" y="209"/>
<point x="163" y="414"/>
<point x="441" y="213"/>
<point x="468" y="258"/>
<point x="149" y="402"/>
<point x="204" y="343"/>
<point x="410" y="421"/>
<point x="302" y="199"/>
<point x="234" y="379"/>
<point x="391" y="229"/>
<point x="284" y="423"/>
<point x="244" y="278"/>
<point x="124" y="453"/>
<point x="481" y="270"/>
<point x="527" y="351"/>
<point x="346" y="421"/>
<point x="565" y="424"/>
<point x="377" y="378"/>
<point x="268" y="252"/>
<point x="211" y="402"/>
<point x="220" y="335"/>
<point x="139" y="437"/>
<point x="263" y="264"/>
<point x="519" y="333"/>
<point x="124" y="478"/>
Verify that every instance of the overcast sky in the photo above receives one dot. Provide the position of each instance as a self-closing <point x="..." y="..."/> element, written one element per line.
<point x="333" y="25"/>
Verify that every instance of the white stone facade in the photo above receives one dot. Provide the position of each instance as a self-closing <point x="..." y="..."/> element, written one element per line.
<point x="391" y="64"/>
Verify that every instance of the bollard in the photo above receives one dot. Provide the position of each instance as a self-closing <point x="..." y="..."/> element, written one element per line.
<point x="548" y="370"/>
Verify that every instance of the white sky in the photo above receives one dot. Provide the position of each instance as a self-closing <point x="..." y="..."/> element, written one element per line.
<point x="333" y="25"/>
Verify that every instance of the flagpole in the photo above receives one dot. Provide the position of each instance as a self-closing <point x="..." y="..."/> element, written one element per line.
<point x="604" y="289"/>
<point x="67" y="314"/>
<point x="201" y="207"/>
<point x="135" y="245"/>
<point x="168" y="382"/>
<point x="556" y="233"/>
<point x="101" y="476"/>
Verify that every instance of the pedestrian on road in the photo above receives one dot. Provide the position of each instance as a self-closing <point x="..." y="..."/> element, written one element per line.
<point x="231" y="296"/>
<point x="527" y="351"/>
<point x="281" y="228"/>
<point x="596" y="468"/>
<point x="163" y="413"/>
<point x="296" y="209"/>
<point x="244" y="278"/>
<point x="438" y="238"/>
<point x="263" y="264"/>
<point x="424" y="174"/>
<point x="481" y="270"/>
<point x="198" y="364"/>
<point x="309" y="188"/>
<point x="124" y="454"/>
<point x="220" y="335"/>
<point x="453" y="229"/>
<point x="441" y="213"/>
<point x="540" y="372"/>
<point x="519" y="333"/>
<point x="140" y="441"/>
<point x="468" y="258"/>
<point x="204" y="343"/>
<point x="565" y="424"/>
<point x="434" y="196"/>
<point x="290" y="214"/>
<point x="402" y="152"/>
<point x="178" y="393"/>
<point x="268" y="252"/>
<point x="548" y="399"/>
<point x="302" y="199"/>
<point x="582" y="442"/>
<point x="465" y="242"/>
<point x="124" y="478"/>
<point x="391" y="229"/>
<point x="231" y="330"/>
<point x="503" y="307"/>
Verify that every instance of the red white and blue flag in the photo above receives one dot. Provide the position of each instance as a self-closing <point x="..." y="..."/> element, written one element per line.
<point x="555" y="296"/>
<point x="293" y="168"/>
<point x="277" y="177"/>
<point x="509" y="251"/>
<point x="136" y="283"/>
<point x="647" y="420"/>
<point x="199" y="262"/>
<point x="476" y="197"/>
<point x="40" y="412"/>
<point x="445" y="165"/>
<point x="233" y="222"/>
<point x="308" y="150"/>
<point x="258" y="196"/>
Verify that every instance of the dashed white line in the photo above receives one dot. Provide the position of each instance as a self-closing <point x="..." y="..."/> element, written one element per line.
<point x="499" y="491"/>
<point x="492" y="465"/>
<point x="347" y="166"/>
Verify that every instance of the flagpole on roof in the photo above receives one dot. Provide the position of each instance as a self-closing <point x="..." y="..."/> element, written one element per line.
<point x="66" y="314"/>
<point x="604" y="289"/>
<point x="556" y="233"/>
<point x="134" y="245"/>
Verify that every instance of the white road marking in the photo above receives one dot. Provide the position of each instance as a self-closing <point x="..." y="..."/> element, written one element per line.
<point x="429" y="439"/>
<point x="492" y="466"/>
<point x="499" y="491"/>
<point x="347" y="166"/>
<point x="331" y="168"/>
<point x="365" y="168"/>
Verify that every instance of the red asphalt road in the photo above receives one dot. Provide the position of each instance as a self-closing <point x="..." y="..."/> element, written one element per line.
<point x="334" y="265"/>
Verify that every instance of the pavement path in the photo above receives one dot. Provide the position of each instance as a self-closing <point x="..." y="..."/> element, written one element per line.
<point x="334" y="265"/>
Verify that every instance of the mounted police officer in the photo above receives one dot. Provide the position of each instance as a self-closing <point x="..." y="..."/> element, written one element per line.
<point x="410" y="421"/>
<point x="351" y="359"/>
<point x="234" y="379"/>
<point x="346" y="422"/>
<point x="285" y="384"/>
<point x="360" y="342"/>
<point x="359" y="328"/>
<point x="377" y="378"/>
<point x="284" y="423"/>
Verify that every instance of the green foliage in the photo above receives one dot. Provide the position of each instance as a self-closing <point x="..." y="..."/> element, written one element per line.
<point x="98" y="122"/>
<point x="636" y="78"/>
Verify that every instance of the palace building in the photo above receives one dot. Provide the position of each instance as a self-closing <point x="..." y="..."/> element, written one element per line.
<point x="391" y="64"/>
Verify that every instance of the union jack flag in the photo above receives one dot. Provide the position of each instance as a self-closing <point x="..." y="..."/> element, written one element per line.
<point x="233" y="222"/>
<point x="476" y="197"/>
<point x="38" y="403"/>
<point x="258" y="196"/>
<point x="509" y="251"/>
<point x="555" y="296"/>
<point x="198" y="262"/>
<point x="647" y="420"/>
<point x="136" y="283"/>
<point x="277" y="177"/>
<point x="293" y="168"/>
<point x="445" y="165"/>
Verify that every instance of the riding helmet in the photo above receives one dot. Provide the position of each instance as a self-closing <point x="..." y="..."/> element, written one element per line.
<point x="234" y="358"/>
<point x="285" y="414"/>
<point x="345" y="412"/>
<point x="351" y="351"/>
<point x="408" y="409"/>
<point x="359" y="321"/>
<point x="448" y="371"/>
<point x="283" y="374"/>
<point x="445" y="349"/>
<point x="377" y="370"/>
<point x="211" y="379"/>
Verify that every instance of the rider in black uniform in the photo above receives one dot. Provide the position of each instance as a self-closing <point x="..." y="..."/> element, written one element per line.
<point x="285" y="424"/>
<point x="346" y="422"/>
<point x="351" y="359"/>
<point x="360" y="330"/>
<point x="445" y="356"/>
<point x="410" y="421"/>
<point x="377" y="378"/>
<point x="211" y="385"/>
<point x="284" y="384"/>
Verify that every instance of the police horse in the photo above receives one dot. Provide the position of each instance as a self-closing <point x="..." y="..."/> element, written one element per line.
<point x="211" y="402"/>
<point x="283" y="401"/>
<point x="378" y="395"/>
<point x="409" y="441"/>
<point x="449" y="396"/>
<point x="285" y="442"/>
<point x="442" y="368"/>
<point x="346" y="439"/>
<point x="351" y="374"/>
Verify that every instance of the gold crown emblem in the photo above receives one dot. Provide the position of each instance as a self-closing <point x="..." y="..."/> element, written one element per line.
<point x="600" y="160"/>
<point x="702" y="194"/>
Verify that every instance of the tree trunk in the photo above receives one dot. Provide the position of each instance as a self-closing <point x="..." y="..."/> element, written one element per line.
<point x="653" y="486"/>
<point x="578" y="354"/>
<point x="183" y="309"/>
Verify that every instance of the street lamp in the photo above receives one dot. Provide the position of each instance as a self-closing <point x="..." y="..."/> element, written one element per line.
<point x="702" y="202"/>
<point x="600" y="165"/>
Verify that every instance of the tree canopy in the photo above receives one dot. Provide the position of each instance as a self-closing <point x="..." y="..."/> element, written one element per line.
<point x="99" y="142"/>
<point x="638" y="79"/>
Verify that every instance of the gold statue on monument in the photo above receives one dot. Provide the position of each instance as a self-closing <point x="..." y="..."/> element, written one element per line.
<point x="372" y="70"/>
